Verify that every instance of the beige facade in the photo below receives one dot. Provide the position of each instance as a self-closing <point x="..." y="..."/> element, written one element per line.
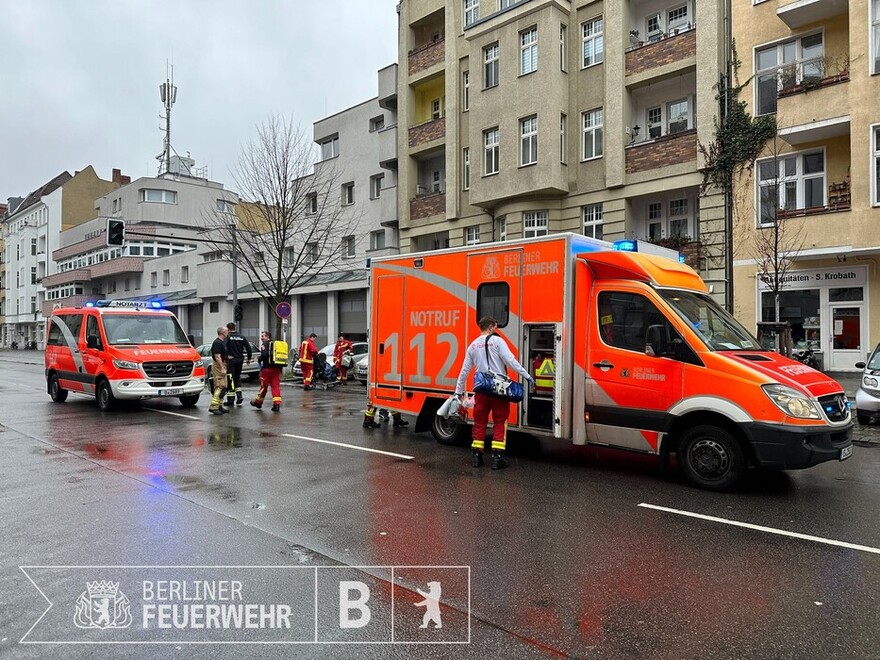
<point x="815" y="66"/>
<point x="518" y="118"/>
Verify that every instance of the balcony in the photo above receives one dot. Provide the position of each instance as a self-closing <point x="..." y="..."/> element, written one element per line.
<point x="426" y="135"/>
<point x="426" y="57"/>
<point x="662" y="152"/>
<point x="428" y="205"/>
<point x="679" y="46"/>
<point x="388" y="207"/>
<point x="388" y="147"/>
<point x="803" y="12"/>
<point x="388" y="87"/>
<point x="67" y="277"/>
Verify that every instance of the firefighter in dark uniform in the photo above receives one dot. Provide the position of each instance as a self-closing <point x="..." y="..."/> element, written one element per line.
<point x="236" y="347"/>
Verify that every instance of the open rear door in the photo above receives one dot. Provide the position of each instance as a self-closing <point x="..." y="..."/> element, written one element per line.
<point x="387" y="367"/>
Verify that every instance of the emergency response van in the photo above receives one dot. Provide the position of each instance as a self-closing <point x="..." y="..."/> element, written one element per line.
<point x="121" y="350"/>
<point x="631" y="351"/>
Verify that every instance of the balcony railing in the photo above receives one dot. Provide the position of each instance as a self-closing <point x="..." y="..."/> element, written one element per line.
<point x="427" y="205"/>
<point x="429" y="131"/>
<point x="662" y="152"/>
<point x="424" y="57"/>
<point x="674" y="47"/>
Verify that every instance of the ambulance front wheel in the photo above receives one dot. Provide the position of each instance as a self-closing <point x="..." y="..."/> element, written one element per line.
<point x="711" y="458"/>
<point x="106" y="400"/>
<point x="447" y="432"/>
<point x="189" y="401"/>
<point x="58" y="393"/>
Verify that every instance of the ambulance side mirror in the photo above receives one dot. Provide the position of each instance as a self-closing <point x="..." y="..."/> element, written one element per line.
<point x="92" y="341"/>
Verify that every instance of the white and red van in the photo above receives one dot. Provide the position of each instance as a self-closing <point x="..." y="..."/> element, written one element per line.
<point x="121" y="350"/>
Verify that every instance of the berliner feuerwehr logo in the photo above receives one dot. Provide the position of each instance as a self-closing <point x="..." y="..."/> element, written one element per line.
<point x="491" y="269"/>
<point x="102" y="605"/>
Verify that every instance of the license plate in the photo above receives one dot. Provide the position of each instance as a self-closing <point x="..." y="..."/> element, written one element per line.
<point x="845" y="453"/>
<point x="177" y="391"/>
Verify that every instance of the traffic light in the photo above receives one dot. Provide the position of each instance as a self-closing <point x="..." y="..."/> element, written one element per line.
<point x="238" y="313"/>
<point x="115" y="231"/>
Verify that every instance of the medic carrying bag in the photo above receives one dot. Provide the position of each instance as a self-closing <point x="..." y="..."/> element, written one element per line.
<point x="494" y="384"/>
<point x="278" y="353"/>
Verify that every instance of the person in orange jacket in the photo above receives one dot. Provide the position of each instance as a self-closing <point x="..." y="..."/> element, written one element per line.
<point x="342" y="347"/>
<point x="307" y="353"/>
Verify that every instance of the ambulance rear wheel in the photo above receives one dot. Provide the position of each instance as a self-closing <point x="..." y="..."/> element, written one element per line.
<point x="104" y="395"/>
<point x="711" y="458"/>
<point x="58" y="393"/>
<point x="189" y="401"/>
<point x="447" y="432"/>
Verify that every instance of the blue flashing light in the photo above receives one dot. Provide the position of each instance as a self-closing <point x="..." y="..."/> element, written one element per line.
<point x="90" y="304"/>
<point x="681" y="258"/>
<point x="155" y="304"/>
<point x="625" y="246"/>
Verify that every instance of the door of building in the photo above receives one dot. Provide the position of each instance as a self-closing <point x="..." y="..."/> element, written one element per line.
<point x="845" y="338"/>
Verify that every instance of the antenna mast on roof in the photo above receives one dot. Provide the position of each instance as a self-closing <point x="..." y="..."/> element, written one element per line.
<point x="168" y="94"/>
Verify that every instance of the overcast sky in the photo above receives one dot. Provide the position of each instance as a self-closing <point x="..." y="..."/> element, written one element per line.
<point x="79" y="79"/>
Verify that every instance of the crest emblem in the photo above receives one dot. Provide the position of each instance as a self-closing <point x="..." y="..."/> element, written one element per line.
<point x="491" y="269"/>
<point x="102" y="605"/>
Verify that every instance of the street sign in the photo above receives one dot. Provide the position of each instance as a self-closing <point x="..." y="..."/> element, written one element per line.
<point x="283" y="321"/>
<point x="282" y="310"/>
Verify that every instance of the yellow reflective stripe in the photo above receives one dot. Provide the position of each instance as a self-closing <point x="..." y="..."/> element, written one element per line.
<point x="546" y="369"/>
<point x="501" y="446"/>
<point x="478" y="444"/>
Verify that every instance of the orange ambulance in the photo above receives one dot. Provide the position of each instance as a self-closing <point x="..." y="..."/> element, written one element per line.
<point x="121" y="350"/>
<point x="644" y="359"/>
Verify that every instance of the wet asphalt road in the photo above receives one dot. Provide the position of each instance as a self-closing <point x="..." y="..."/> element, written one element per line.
<point x="564" y="562"/>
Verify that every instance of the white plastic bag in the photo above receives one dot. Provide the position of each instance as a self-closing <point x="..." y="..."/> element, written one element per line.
<point x="449" y="407"/>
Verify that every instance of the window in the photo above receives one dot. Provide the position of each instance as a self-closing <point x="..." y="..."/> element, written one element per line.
<point x="490" y="66"/>
<point x="655" y="122"/>
<point x="528" y="51"/>
<point x="677" y="116"/>
<point x="875" y="35"/>
<point x="33" y="274"/>
<point x="624" y="319"/>
<point x="502" y="228"/>
<point x="466" y="167"/>
<point x="436" y="181"/>
<point x="214" y="307"/>
<point x="563" y="119"/>
<point x="330" y="148"/>
<point x="493" y="299"/>
<point x="377" y="239"/>
<point x="166" y="277"/>
<point x="466" y="91"/>
<point x="127" y="284"/>
<point x="535" y="223"/>
<point x="655" y="221"/>
<point x="471" y="12"/>
<point x="654" y="28"/>
<point x="184" y="274"/>
<point x="678" y="217"/>
<point x="33" y="304"/>
<point x="212" y="256"/>
<point x="472" y="235"/>
<point x="793" y="181"/>
<point x="593" y="220"/>
<point x="377" y="123"/>
<point x="504" y="4"/>
<point x="784" y="65"/>
<point x="677" y="17"/>
<point x="376" y="185"/>
<point x="33" y="247"/>
<point x="436" y="109"/>
<point x="563" y="60"/>
<point x="347" y="193"/>
<point x="875" y="159"/>
<point x="528" y="140"/>
<point x="225" y="206"/>
<point x="592" y="137"/>
<point x="593" y="42"/>
<point x="490" y="153"/>
<point x="311" y="253"/>
<point x="348" y="248"/>
<point x="312" y="203"/>
<point x="154" y="279"/>
<point x="160" y="196"/>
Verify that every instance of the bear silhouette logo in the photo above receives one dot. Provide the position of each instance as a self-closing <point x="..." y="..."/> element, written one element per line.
<point x="431" y="603"/>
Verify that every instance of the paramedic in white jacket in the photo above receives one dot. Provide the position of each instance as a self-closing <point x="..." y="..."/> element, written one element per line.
<point x="500" y="358"/>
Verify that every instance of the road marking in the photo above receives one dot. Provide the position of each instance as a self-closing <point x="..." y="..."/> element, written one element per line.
<point x="342" y="444"/>
<point x="168" y="412"/>
<point x="761" y="528"/>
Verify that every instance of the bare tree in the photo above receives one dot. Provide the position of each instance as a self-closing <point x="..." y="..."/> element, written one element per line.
<point x="290" y="223"/>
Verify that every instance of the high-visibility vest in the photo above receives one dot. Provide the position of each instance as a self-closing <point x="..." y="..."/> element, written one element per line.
<point x="545" y="376"/>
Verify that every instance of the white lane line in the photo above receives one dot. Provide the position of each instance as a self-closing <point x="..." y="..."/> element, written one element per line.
<point x="168" y="412"/>
<point x="342" y="444"/>
<point x="761" y="528"/>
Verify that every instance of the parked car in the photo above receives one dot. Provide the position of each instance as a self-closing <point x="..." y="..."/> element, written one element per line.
<point x="868" y="394"/>
<point x="249" y="371"/>
<point x="362" y="369"/>
<point x="359" y="351"/>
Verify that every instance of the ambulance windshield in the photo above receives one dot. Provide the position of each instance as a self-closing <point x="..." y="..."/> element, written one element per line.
<point x="143" y="329"/>
<point x="715" y="326"/>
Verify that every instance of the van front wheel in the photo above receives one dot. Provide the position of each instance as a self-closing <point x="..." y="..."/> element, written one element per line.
<point x="106" y="400"/>
<point x="189" y="400"/>
<point x="711" y="458"/>
<point x="58" y="393"/>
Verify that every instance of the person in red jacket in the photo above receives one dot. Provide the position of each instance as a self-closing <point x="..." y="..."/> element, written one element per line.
<point x="307" y="353"/>
<point x="342" y="347"/>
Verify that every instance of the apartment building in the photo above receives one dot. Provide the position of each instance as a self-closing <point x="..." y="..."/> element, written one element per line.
<point x="527" y="117"/>
<point x="816" y="68"/>
<point x="31" y="232"/>
<point x="3" y="209"/>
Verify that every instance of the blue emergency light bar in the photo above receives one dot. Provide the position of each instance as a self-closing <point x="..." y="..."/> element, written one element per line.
<point x="629" y="245"/>
<point x="133" y="304"/>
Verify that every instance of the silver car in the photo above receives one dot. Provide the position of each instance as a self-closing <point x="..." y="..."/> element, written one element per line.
<point x="248" y="371"/>
<point x="358" y="352"/>
<point x="868" y="394"/>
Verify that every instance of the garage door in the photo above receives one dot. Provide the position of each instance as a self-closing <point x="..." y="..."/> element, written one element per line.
<point x="314" y="316"/>
<point x="353" y="314"/>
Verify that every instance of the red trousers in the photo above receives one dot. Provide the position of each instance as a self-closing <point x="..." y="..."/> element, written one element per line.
<point x="270" y="377"/>
<point x="307" y="372"/>
<point x="500" y="409"/>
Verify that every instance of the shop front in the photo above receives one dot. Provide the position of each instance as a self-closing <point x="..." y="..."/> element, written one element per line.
<point x="827" y="310"/>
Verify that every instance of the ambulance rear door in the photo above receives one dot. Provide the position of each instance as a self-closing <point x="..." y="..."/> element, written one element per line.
<point x="386" y="368"/>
